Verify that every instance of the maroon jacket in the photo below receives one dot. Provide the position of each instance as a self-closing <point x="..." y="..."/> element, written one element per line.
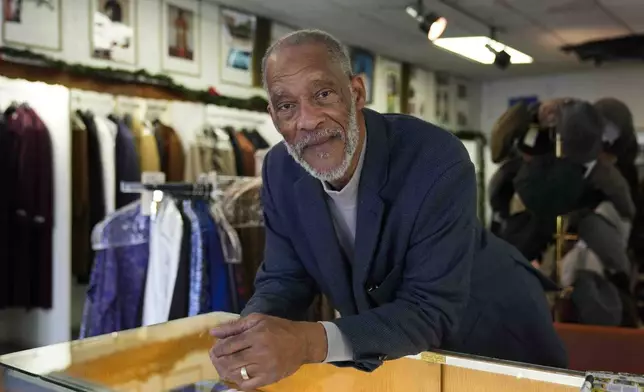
<point x="27" y="218"/>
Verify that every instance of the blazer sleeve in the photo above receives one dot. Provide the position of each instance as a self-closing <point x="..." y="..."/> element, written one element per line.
<point x="434" y="287"/>
<point x="283" y="287"/>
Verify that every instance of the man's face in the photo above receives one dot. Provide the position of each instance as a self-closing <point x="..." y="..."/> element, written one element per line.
<point x="314" y="105"/>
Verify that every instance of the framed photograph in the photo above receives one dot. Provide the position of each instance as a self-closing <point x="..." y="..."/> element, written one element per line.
<point x="362" y="64"/>
<point x="181" y="40"/>
<point x="237" y="43"/>
<point x="34" y="24"/>
<point x="393" y="89"/>
<point x="113" y="31"/>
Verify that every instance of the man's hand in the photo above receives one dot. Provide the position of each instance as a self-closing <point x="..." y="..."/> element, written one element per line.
<point x="268" y="347"/>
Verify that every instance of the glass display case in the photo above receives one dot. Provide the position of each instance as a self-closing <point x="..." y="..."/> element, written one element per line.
<point x="174" y="357"/>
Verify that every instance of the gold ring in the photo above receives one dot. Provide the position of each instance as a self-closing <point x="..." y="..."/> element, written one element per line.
<point x="244" y="373"/>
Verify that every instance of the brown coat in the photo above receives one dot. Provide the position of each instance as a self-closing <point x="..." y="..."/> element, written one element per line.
<point x="173" y="153"/>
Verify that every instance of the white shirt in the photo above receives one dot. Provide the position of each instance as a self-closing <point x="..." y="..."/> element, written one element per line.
<point x="166" y="233"/>
<point x="343" y="206"/>
<point x="106" y="131"/>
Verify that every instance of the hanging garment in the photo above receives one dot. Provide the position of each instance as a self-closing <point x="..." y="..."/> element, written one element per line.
<point x="81" y="247"/>
<point x="258" y="141"/>
<point x="239" y="165"/>
<point x="179" y="306"/>
<point x="146" y="145"/>
<point x="107" y="142"/>
<point x="213" y="287"/>
<point x="196" y="260"/>
<point x="247" y="150"/>
<point x="166" y="234"/>
<point x="115" y="292"/>
<point x="96" y="193"/>
<point x="127" y="162"/>
<point x="6" y="177"/>
<point x="28" y="264"/>
<point x="220" y="285"/>
<point x="173" y="162"/>
<point x="201" y="159"/>
<point x="225" y="156"/>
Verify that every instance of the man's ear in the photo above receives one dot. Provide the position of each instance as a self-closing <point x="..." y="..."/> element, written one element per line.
<point x="359" y="91"/>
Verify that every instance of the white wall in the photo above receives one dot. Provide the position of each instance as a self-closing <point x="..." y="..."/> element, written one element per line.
<point x="624" y="84"/>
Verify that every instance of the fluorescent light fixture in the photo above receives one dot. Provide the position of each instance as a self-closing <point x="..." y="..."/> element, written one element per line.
<point x="474" y="48"/>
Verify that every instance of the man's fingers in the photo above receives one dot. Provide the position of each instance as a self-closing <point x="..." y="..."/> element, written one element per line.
<point x="253" y="371"/>
<point x="232" y="363"/>
<point x="231" y="345"/>
<point x="236" y="327"/>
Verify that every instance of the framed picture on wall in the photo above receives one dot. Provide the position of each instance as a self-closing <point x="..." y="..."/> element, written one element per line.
<point x="393" y="89"/>
<point x="34" y="24"/>
<point x="181" y="38"/>
<point x="113" y="31"/>
<point x="237" y="43"/>
<point x="363" y="65"/>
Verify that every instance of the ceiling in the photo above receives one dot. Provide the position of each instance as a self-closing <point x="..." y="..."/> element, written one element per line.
<point x="536" y="27"/>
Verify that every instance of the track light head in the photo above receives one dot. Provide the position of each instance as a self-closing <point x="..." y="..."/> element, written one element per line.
<point x="502" y="59"/>
<point x="431" y="24"/>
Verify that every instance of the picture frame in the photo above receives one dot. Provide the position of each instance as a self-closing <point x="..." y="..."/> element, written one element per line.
<point x="113" y="31"/>
<point x="181" y="37"/>
<point x="19" y="21"/>
<point x="363" y="63"/>
<point x="237" y="43"/>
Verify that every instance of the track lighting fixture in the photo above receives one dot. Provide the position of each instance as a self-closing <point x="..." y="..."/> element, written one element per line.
<point x="429" y="23"/>
<point x="501" y="58"/>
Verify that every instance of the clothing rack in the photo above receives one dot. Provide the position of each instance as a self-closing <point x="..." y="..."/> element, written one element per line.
<point x="205" y="190"/>
<point x="178" y="189"/>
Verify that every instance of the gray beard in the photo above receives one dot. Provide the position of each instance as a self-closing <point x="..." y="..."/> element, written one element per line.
<point x="350" y="146"/>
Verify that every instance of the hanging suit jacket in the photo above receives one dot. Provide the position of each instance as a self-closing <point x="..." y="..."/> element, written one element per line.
<point x="28" y="263"/>
<point x="425" y="273"/>
<point x="172" y="153"/>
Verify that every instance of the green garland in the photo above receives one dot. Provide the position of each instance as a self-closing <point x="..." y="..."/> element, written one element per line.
<point x="141" y="77"/>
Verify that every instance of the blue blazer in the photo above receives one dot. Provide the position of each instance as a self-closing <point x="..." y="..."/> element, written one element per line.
<point x="425" y="274"/>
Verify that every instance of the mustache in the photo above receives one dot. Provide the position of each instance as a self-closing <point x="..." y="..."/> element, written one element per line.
<point x="311" y="138"/>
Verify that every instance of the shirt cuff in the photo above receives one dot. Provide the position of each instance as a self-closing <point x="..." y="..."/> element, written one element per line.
<point x="338" y="347"/>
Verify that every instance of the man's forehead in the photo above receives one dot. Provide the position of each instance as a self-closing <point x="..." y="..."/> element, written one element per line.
<point x="311" y="64"/>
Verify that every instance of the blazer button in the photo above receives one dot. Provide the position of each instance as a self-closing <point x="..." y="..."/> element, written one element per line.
<point x="382" y="358"/>
<point x="372" y="288"/>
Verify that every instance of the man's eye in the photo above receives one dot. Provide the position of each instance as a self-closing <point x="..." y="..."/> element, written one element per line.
<point x="324" y="94"/>
<point x="285" y="106"/>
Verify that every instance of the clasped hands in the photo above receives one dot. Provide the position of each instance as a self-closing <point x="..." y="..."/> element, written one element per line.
<point x="267" y="348"/>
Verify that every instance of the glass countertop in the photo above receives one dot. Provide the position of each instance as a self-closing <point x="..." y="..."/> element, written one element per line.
<point x="174" y="357"/>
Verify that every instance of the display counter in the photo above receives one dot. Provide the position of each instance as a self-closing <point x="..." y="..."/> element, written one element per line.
<point x="174" y="355"/>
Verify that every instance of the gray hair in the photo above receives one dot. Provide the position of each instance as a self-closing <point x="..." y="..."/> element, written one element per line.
<point x="337" y="51"/>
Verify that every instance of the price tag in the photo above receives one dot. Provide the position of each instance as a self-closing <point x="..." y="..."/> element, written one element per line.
<point x="147" y="197"/>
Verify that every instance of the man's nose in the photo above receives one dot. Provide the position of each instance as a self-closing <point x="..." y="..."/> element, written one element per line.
<point x="311" y="117"/>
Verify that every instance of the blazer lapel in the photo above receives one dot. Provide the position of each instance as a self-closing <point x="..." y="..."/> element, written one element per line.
<point x="318" y="227"/>
<point x="371" y="207"/>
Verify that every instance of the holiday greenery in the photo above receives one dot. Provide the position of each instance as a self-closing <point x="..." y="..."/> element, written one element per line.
<point x="140" y="77"/>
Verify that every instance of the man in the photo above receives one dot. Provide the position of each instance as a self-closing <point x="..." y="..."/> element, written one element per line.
<point x="378" y="212"/>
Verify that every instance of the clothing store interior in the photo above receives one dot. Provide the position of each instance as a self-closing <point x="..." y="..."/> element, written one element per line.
<point x="134" y="223"/>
